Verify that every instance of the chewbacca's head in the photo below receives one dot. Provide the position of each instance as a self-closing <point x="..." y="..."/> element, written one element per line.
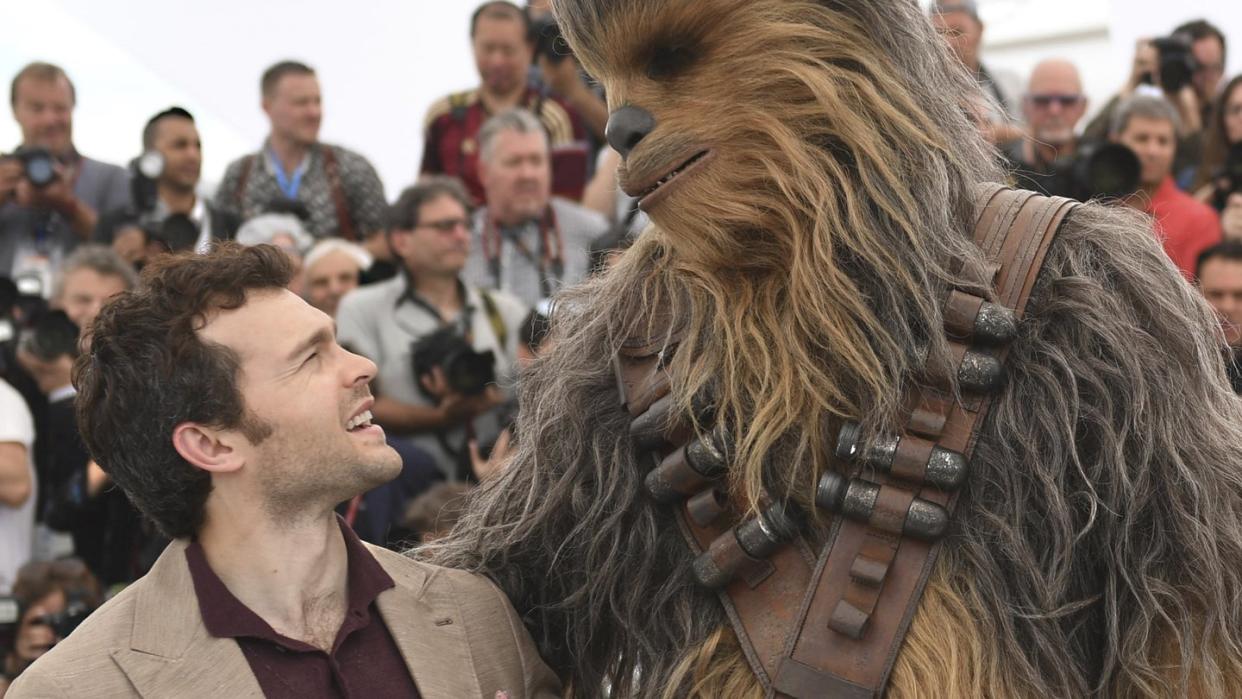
<point x="809" y="166"/>
<point x="741" y="116"/>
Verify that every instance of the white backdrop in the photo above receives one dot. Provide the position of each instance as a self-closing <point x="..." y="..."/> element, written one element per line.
<point x="382" y="62"/>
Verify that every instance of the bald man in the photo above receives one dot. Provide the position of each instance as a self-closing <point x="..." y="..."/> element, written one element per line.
<point x="1053" y="105"/>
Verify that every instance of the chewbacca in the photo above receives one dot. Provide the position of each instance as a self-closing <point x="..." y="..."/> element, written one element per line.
<point x="804" y="253"/>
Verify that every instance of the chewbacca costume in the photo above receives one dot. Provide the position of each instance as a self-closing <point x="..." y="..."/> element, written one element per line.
<point x="796" y="314"/>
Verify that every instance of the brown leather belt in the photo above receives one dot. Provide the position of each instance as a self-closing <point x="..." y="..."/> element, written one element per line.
<point x="831" y="625"/>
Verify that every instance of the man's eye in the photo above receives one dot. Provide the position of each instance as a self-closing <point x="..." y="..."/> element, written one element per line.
<point x="313" y="356"/>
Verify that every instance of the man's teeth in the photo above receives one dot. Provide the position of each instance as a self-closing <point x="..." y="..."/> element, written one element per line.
<point x="363" y="419"/>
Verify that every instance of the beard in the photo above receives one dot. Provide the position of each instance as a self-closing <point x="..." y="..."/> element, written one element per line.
<point x="307" y="470"/>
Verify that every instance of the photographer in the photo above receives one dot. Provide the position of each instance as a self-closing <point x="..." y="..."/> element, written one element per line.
<point x="50" y="195"/>
<point x="412" y="324"/>
<point x="1184" y="68"/>
<point x="54" y="597"/>
<point x="164" y="196"/>
<point x="504" y="44"/>
<point x="558" y="69"/>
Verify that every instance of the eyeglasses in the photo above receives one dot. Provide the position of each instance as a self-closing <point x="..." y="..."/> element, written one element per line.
<point x="447" y="225"/>
<point x="1045" y="101"/>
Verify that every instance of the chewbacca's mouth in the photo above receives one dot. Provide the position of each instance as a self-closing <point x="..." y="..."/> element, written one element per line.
<point x="651" y="194"/>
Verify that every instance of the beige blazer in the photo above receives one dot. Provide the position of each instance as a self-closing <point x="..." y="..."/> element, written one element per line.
<point x="456" y="631"/>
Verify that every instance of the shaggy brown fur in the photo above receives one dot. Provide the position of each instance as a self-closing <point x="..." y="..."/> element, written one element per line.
<point x="1098" y="547"/>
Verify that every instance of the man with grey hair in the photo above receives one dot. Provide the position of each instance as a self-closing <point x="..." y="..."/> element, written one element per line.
<point x="526" y="242"/>
<point x="90" y="276"/>
<point x="1149" y="127"/>
<point x="1053" y="105"/>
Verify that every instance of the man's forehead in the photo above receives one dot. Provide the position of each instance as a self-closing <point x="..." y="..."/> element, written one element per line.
<point x="265" y="326"/>
<point x="1221" y="272"/>
<point x="45" y="87"/>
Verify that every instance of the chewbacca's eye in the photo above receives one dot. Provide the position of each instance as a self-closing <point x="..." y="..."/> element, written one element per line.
<point x="669" y="60"/>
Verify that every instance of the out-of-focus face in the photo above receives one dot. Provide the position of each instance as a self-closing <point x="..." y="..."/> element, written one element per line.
<point x="964" y="34"/>
<point x="84" y="293"/>
<point x="1210" y="58"/>
<point x="34" y="638"/>
<point x="1233" y="115"/>
<point x="176" y="139"/>
<point x="329" y="279"/>
<point x="313" y="399"/>
<point x="49" y="375"/>
<point x="44" y="111"/>
<point x="1054" y="102"/>
<point x="517" y="176"/>
<point x="502" y="54"/>
<point x="440" y="244"/>
<point x="1220" y="280"/>
<point x="295" y="108"/>
<point x="1154" y="141"/>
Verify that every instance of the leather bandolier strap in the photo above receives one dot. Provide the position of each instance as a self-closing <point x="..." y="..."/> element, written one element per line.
<point x="831" y="625"/>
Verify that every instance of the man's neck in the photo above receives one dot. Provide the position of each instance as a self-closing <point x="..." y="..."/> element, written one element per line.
<point x="177" y="200"/>
<point x="442" y="292"/>
<point x="289" y="153"/>
<point x="513" y="219"/>
<point x="495" y="102"/>
<point x="292" y="575"/>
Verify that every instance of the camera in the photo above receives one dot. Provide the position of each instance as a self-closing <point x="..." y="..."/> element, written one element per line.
<point x="1177" y="63"/>
<point x="1099" y="171"/>
<point x="144" y="172"/>
<point x="467" y="372"/>
<point x="549" y="42"/>
<point x="38" y="165"/>
<point x="62" y="623"/>
<point x="1229" y="179"/>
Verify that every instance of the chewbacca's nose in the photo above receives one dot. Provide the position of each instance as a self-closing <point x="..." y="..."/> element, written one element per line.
<point x="627" y="126"/>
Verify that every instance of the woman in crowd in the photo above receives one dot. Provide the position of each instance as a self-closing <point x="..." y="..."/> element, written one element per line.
<point x="1213" y="185"/>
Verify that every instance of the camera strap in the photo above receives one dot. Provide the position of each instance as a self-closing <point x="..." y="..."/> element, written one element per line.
<point x="548" y="260"/>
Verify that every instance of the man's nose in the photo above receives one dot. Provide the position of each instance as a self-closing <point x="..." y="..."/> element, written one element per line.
<point x="628" y="126"/>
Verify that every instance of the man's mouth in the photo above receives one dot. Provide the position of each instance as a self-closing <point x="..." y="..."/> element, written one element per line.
<point x="658" y="188"/>
<point x="359" y="422"/>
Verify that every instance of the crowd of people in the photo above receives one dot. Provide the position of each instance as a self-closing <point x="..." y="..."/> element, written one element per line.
<point x="448" y="289"/>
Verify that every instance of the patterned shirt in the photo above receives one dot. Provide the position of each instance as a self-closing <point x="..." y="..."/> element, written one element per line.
<point x="451" y="145"/>
<point x="343" y="194"/>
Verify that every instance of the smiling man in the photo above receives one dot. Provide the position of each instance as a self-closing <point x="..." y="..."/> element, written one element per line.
<point x="225" y="409"/>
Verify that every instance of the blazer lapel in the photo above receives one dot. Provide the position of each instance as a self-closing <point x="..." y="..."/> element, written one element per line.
<point x="171" y="653"/>
<point x="429" y="633"/>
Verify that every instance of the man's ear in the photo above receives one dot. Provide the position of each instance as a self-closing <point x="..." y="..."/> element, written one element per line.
<point x="207" y="448"/>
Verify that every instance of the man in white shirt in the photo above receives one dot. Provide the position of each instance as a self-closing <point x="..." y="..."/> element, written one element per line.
<point x="17" y="484"/>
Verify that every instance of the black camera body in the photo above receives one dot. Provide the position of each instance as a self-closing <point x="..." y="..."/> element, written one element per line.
<point x="1107" y="171"/>
<point x="467" y="372"/>
<point x="1229" y="179"/>
<point x="38" y="165"/>
<point x="549" y="42"/>
<point x="1177" y="62"/>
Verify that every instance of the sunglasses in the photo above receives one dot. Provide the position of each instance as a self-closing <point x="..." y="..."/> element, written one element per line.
<point x="1045" y="101"/>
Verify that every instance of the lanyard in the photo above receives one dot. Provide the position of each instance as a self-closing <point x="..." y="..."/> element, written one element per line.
<point x="550" y="262"/>
<point x="289" y="185"/>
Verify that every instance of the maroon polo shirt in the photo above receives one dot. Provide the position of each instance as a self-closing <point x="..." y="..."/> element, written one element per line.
<point x="364" y="662"/>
